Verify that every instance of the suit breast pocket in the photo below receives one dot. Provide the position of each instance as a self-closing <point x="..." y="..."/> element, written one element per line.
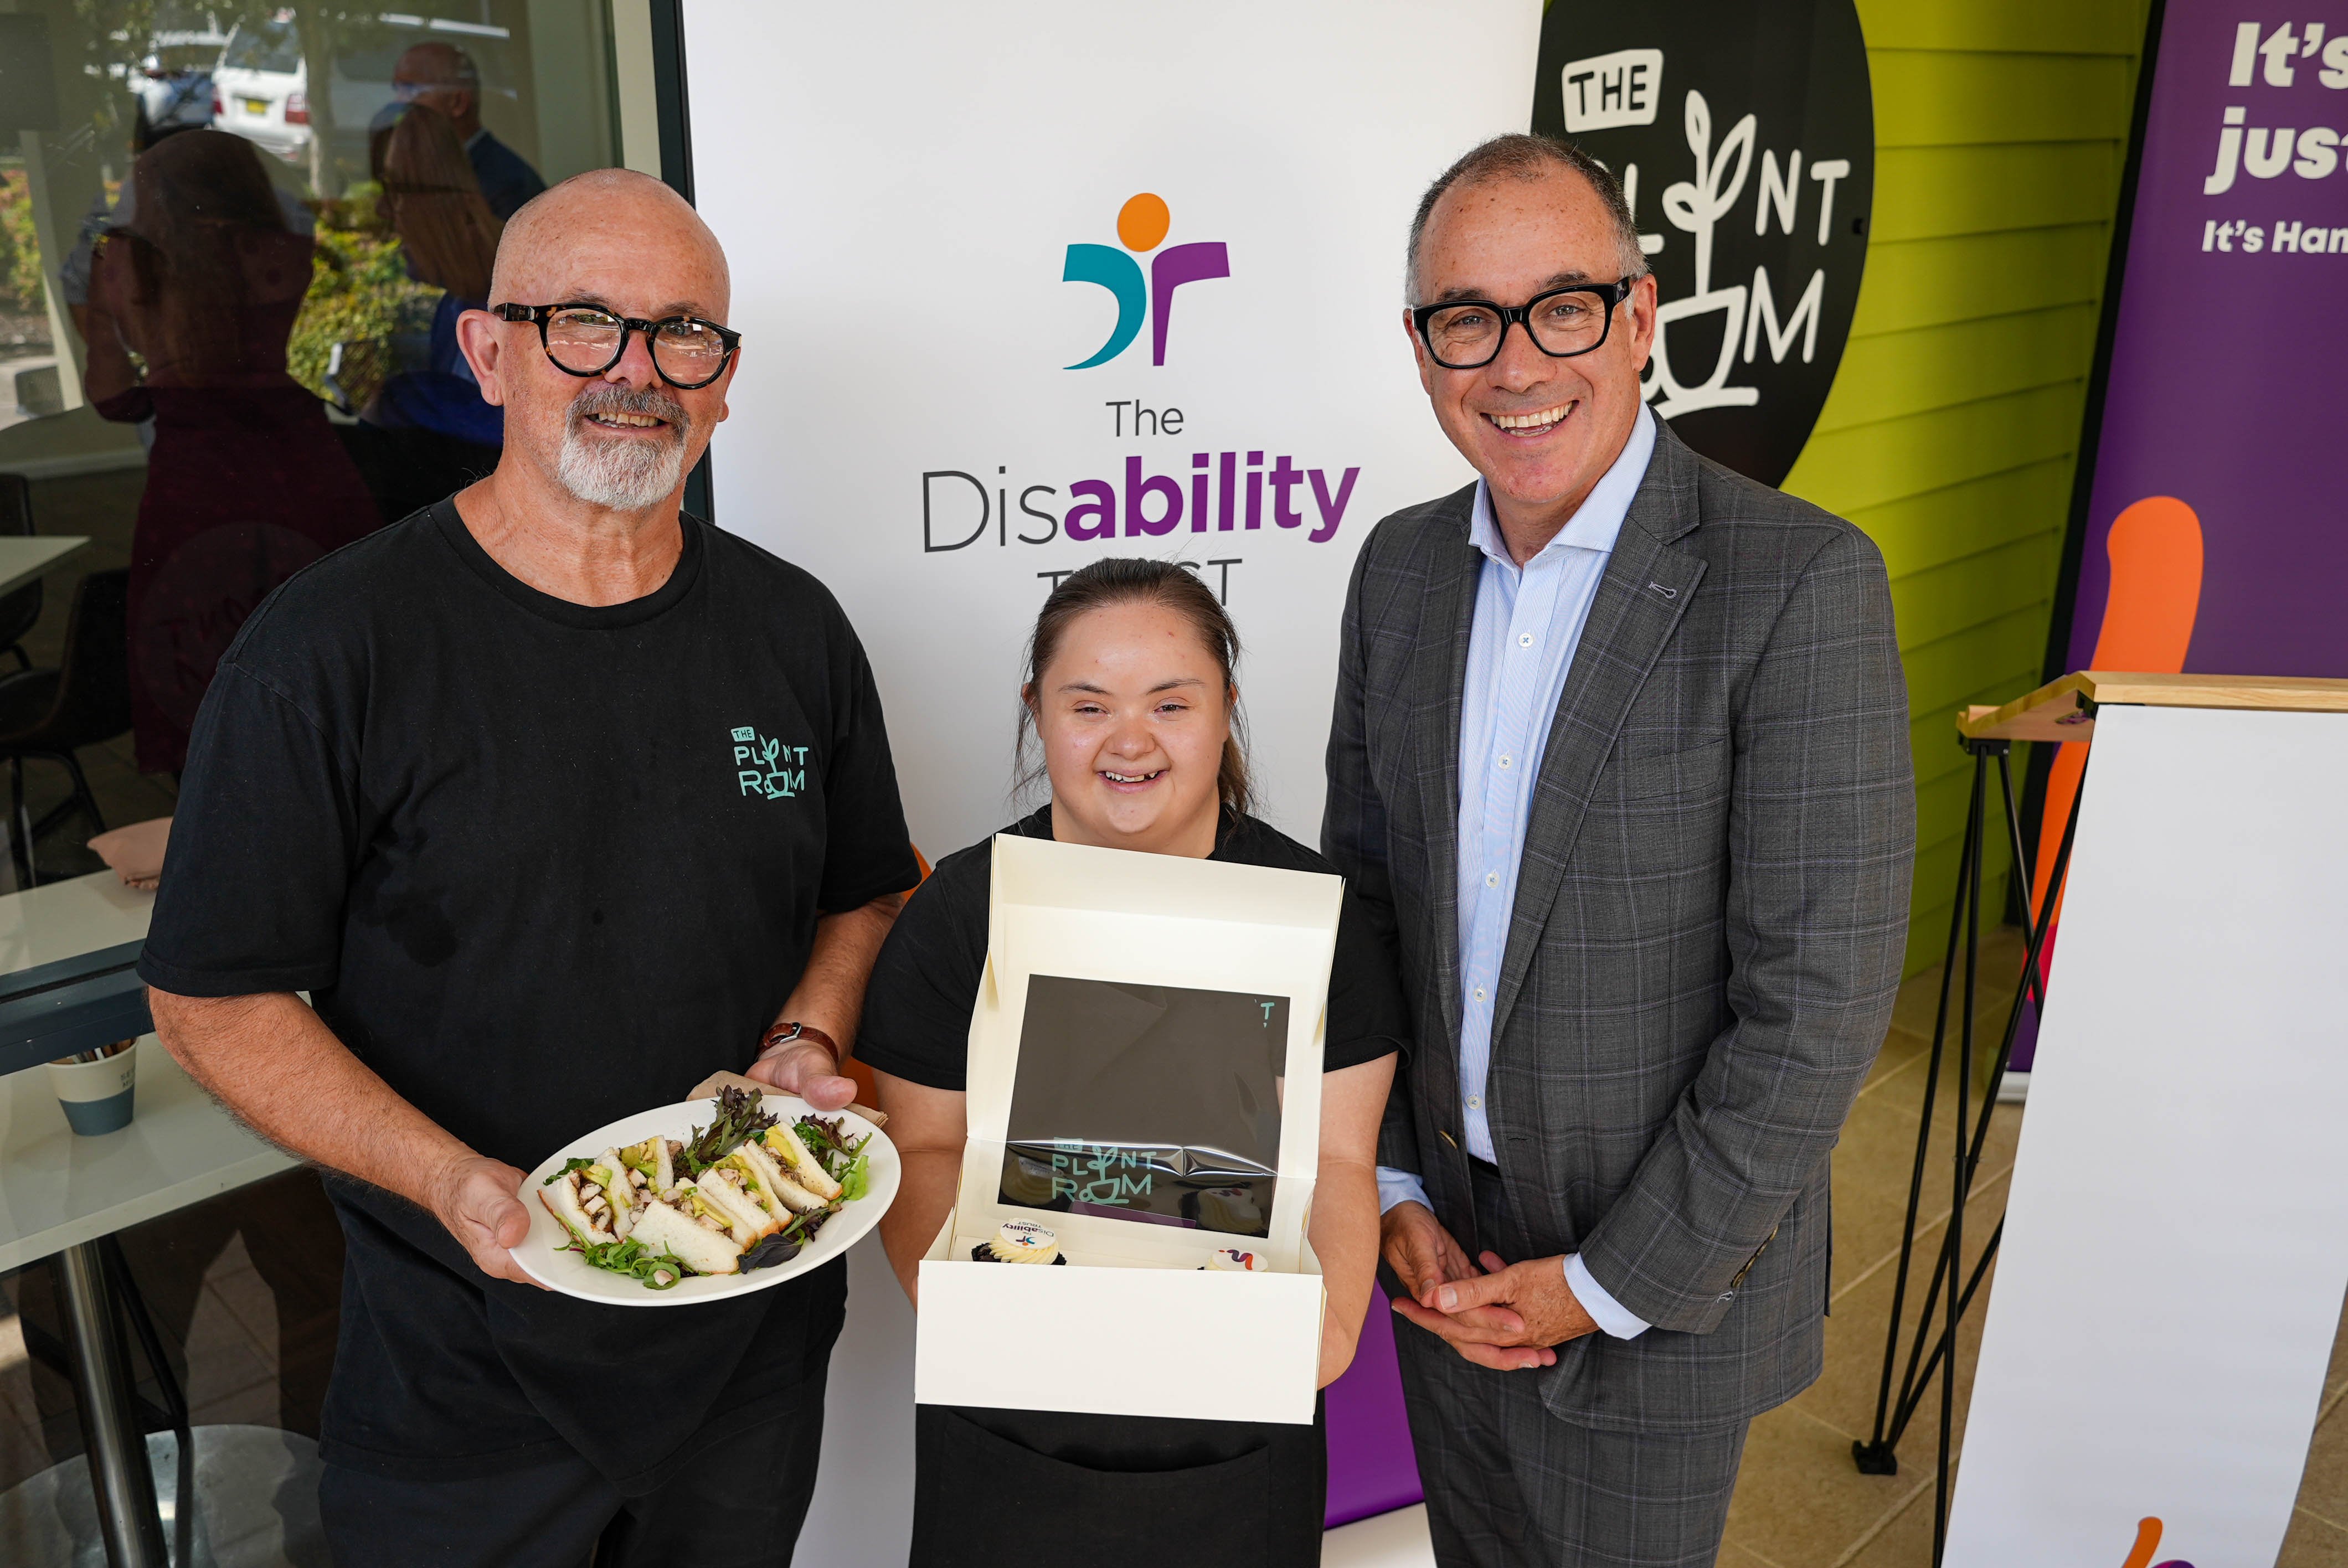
<point x="1694" y="772"/>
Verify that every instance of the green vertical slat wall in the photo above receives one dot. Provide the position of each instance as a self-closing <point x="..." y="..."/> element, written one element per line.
<point x="2001" y="129"/>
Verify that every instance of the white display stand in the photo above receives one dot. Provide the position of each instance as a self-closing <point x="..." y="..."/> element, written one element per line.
<point x="2176" y="1235"/>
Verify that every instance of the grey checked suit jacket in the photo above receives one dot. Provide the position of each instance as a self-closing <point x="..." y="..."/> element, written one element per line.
<point x="1710" y="918"/>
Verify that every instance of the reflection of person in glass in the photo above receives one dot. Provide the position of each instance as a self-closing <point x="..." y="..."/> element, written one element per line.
<point x="1130" y="689"/>
<point x="451" y="238"/>
<point x="246" y="484"/>
<point x="442" y="76"/>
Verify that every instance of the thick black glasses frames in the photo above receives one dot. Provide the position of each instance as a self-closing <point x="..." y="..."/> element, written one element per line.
<point x="727" y="339"/>
<point x="1608" y="294"/>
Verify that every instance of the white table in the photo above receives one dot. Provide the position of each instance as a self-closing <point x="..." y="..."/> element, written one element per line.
<point x="54" y="941"/>
<point x="23" y="558"/>
<point x="61" y="1195"/>
<point x="59" y="1191"/>
<point x="62" y="920"/>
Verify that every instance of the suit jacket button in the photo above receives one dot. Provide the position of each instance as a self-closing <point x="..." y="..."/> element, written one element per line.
<point x="1446" y="1137"/>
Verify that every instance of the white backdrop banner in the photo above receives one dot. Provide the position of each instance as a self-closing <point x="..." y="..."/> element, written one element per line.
<point x="1024" y="286"/>
<point x="2177" y="1237"/>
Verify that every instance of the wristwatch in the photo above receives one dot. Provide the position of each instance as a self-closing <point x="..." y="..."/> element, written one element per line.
<point x="791" y="1033"/>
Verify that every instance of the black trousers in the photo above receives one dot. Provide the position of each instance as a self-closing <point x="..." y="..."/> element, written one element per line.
<point x="736" y="1500"/>
<point x="1048" y="1488"/>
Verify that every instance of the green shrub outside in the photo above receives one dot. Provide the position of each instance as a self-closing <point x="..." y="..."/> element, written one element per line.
<point x="20" y="247"/>
<point x="360" y="296"/>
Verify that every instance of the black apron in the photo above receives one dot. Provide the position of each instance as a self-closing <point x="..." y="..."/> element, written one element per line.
<point x="1049" y="1488"/>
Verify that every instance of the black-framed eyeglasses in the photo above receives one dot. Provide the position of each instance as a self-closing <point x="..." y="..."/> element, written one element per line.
<point x="1466" y="334"/>
<point x="588" y="340"/>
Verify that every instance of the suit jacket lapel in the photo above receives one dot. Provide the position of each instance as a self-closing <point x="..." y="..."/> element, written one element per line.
<point x="1448" y="618"/>
<point x="1640" y="597"/>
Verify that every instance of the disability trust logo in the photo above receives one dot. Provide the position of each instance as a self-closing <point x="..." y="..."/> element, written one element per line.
<point x="1208" y="485"/>
<point x="1142" y="224"/>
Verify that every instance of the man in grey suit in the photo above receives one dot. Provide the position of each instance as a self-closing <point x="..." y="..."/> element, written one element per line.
<point x="1620" y="760"/>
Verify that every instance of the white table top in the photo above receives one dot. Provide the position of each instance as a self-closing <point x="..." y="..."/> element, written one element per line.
<point x="58" y="1189"/>
<point x="60" y="920"/>
<point x="22" y="559"/>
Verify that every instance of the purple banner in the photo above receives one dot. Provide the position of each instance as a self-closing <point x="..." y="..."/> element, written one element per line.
<point x="2213" y="538"/>
<point x="2231" y="349"/>
<point x="1372" y="1469"/>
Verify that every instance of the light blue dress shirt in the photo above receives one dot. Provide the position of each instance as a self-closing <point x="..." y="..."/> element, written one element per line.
<point x="1528" y="621"/>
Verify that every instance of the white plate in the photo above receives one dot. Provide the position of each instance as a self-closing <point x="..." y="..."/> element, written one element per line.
<point x="542" y="1257"/>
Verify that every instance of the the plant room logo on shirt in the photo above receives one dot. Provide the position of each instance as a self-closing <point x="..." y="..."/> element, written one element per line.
<point x="768" y="767"/>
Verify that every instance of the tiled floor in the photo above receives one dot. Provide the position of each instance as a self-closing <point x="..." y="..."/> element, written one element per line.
<point x="1801" y="1503"/>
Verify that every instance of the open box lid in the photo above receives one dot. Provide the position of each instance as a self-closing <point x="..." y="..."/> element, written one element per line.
<point x="1145" y="1053"/>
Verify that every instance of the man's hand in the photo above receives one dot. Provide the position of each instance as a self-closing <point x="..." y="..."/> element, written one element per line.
<point x="805" y="1069"/>
<point x="1533" y="1293"/>
<point x="1427" y="1259"/>
<point x="479" y="1200"/>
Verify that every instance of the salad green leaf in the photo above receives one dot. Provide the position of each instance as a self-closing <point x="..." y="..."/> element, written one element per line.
<point x="577" y="1162"/>
<point x="633" y="1258"/>
<point x="781" y="1247"/>
<point x="741" y="1115"/>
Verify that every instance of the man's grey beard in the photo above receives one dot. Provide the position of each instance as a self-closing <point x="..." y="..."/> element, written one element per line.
<point x="624" y="474"/>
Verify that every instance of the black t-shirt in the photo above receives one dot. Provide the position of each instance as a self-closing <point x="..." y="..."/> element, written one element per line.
<point x="541" y="866"/>
<point x="917" y="1010"/>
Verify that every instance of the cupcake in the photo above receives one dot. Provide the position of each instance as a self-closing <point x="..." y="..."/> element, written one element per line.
<point x="1020" y="1241"/>
<point x="1233" y="1260"/>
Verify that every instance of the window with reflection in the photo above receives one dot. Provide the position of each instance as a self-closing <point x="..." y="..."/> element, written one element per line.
<point x="235" y="242"/>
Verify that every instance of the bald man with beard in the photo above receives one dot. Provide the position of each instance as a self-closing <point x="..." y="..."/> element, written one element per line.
<point x="555" y="799"/>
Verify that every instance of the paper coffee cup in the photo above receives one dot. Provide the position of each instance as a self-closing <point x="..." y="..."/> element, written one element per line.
<point x="97" y="1095"/>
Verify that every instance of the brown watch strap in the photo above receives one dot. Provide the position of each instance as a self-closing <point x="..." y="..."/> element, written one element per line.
<point x="791" y="1032"/>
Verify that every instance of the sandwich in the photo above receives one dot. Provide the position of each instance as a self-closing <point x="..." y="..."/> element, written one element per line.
<point x="801" y="1167"/>
<point x="665" y="1232"/>
<point x="718" y="1194"/>
<point x="783" y="1196"/>
<point x="565" y="1200"/>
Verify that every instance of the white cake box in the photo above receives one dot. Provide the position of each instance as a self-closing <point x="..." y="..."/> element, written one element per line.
<point x="1145" y="1074"/>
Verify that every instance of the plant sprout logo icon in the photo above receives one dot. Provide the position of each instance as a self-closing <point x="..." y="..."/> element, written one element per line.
<point x="1142" y="223"/>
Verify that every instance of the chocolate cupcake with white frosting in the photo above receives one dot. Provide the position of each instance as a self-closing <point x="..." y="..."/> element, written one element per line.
<point x="1020" y="1241"/>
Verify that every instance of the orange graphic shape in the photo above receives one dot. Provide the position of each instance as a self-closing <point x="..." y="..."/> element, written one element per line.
<point x="1142" y="223"/>
<point x="2156" y="553"/>
<point x="2148" y="1542"/>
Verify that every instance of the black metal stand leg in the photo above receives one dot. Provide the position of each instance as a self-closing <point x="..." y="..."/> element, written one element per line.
<point x="1877" y="1455"/>
<point x="1957" y="1185"/>
<point x="120" y="1478"/>
<point x="1935" y="1353"/>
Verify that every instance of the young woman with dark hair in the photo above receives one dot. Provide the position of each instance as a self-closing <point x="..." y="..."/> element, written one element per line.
<point x="1131" y="696"/>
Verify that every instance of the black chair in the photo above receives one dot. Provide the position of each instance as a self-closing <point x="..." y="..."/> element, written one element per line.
<point x="46" y="713"/>
<point x="20" y="609"/>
